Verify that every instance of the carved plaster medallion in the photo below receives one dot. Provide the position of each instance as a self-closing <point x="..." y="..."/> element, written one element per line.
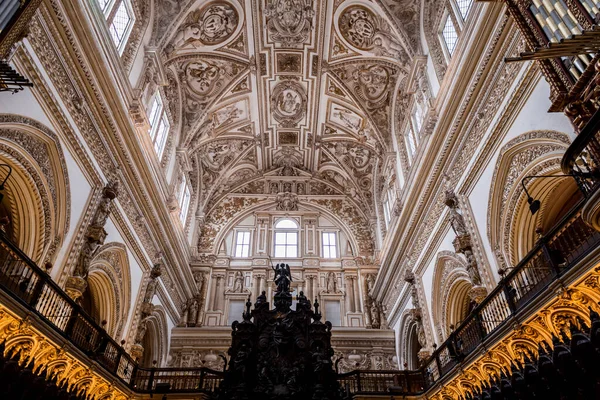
<point x="289" y="22"/>
<point x="211" y="25"/>
<point x="288" y="103"/>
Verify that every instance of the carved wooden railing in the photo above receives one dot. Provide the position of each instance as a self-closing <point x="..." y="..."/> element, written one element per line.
<point x="554" y="254"/>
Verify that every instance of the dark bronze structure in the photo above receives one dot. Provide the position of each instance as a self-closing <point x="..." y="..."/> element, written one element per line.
<point x="281" y="353"/>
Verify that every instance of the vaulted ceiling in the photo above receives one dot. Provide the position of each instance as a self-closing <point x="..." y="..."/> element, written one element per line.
<point x="285" y="98"/>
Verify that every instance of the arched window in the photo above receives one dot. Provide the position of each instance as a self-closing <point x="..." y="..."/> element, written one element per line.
<point x="286" y="239"/>
<point x="119" y="18"/>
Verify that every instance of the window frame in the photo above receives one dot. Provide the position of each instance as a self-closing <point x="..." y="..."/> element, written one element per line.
<point x="156" y="121"/>
<point x="243" y="246"/>
<point x="109" y="12"/>
<point x="329" y="245"/>
<point x="447" y="17"/>
<point x="184" y="199"/>
<point x="286" y="245"/>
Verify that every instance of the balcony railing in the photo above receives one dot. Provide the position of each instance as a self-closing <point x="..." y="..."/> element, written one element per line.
<point x="554" y="254"/>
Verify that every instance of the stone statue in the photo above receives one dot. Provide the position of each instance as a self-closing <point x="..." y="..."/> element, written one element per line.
<point x="193" y="313"/>
<point x="153" y="284"/>
<point x="370" y="280"/>
<point x="331" y="282"/>
<point x="375" y="317"/>
<point x="457" y="222"/>
<point x="238" y="285"/>
<point x="141" y="331"/>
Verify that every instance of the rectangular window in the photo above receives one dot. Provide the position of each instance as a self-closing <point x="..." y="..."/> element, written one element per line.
<point x="160" y="138"/>
<point x="236" y="308"/>
<point x="450" y="35"/>
<point x="184" y="200"/>
<point x="155" y="110"/>
<point x="120" y="25"/>
<point x="286" y="244"/>
<point x="242" y="244"/>
<point x="329" y="245"/>
<point x="464" y="6"/>
<point x="333" y="312"/>
<point x="411" y="143"/>
<point x="159" y="125"/>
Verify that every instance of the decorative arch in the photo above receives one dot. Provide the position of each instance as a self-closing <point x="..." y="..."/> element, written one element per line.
<point x="450" y="297"/>
<point x="510" y="224"/>
<point x="109" y="287"/>
<point x="408" y="342"/>
<point x="156" y="341"/>
<point x="37" y="193"/>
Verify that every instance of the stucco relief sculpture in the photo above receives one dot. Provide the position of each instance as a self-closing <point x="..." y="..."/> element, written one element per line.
<point x="94" y="239"/>
<point x="211" y="25"/>
<point x="287" y="201"/>
<point x="369" y="32"/>
<point x="289" y="22"/>
<point x="462" y="244"/>
<point x="288" y="103"/>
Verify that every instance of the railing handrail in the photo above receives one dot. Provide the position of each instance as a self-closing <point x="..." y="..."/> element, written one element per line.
<point x="47" y="280"/>
<point x="503" y="283"/>
<point x="151" y="375"/>
<point x="589" y="131"/>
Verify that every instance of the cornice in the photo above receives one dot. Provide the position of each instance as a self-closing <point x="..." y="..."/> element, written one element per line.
<point x="418" y="200"/>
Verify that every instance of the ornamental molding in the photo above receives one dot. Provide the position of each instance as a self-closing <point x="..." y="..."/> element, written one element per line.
<point x="68" y="89"/>
<point x="495" y="90"/>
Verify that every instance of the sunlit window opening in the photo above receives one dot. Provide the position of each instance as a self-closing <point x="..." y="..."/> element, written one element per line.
<point x="242" y="244"/>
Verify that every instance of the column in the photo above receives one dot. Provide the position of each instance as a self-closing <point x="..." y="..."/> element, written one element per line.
<point x="357" y="307"/>
<point x="350" y="294"/>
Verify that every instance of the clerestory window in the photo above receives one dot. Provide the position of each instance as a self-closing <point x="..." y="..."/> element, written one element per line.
<point x="119" y="18"/>
<point x="286" y="239"/>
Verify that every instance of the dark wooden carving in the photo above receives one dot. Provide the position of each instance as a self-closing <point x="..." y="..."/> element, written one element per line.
<point x="280" y="353"/>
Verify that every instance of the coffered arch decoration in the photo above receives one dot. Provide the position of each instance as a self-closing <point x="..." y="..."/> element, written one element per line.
<point x="450" y="298"/>
<point x="110" y="286"/>
<point x="37" y="192"/>
<point x="510" y="224"/>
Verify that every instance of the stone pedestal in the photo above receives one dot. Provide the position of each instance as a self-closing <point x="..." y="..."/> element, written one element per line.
<point x="75" y="287"/>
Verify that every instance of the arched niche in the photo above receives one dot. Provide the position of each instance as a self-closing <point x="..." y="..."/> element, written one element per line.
<point x="408" y="341"/>
<point x="511" y="227"/>
<point x="108" y="295"/>
<point x="156" y="341"/>
<point x="450" y="298"/>
<point x="36" y="195"/>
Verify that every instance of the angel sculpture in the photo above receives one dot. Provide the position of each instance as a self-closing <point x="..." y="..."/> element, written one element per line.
<point x="283" y="277"/>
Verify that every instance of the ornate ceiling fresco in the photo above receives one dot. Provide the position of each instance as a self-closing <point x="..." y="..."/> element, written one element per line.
<point x="286" y="102"/>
